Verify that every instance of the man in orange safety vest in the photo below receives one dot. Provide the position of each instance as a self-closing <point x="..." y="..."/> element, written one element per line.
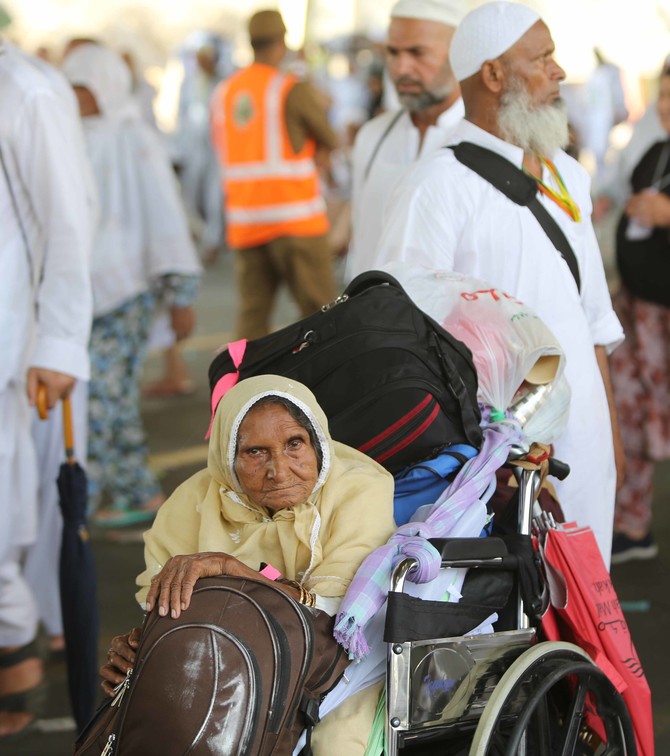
<point x="269" y="129"/>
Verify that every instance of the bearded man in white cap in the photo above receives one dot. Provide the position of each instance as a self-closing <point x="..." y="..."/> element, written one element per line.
<point x="417" y="59"/>
<point x="444" y="215"/>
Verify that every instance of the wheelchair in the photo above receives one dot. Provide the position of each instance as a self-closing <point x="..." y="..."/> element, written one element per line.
<point x="505" y="693"/>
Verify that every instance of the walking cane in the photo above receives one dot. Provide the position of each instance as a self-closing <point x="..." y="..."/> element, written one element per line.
<point x="68" y="432"/>
<point x="76" y="575"/>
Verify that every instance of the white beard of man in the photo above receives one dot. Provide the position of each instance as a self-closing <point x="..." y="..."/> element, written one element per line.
<point x="541" y="129"/>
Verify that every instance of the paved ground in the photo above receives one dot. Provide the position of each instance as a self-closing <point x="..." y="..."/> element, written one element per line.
<point x="176" y="429"/>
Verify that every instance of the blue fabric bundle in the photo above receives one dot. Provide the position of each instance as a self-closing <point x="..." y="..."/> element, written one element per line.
<point x="424" y="482"/>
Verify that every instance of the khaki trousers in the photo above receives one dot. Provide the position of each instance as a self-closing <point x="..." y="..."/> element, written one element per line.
<point x="304" y="263"/>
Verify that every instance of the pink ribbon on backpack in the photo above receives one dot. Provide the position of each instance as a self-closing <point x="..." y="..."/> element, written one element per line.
<point x="236" y="350"/>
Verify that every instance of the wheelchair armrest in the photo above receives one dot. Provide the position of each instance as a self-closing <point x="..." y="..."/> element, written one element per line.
<point x="456" y="549"/>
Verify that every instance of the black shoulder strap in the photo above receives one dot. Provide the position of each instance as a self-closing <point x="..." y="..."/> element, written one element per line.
<point x="521" y="189"/>
<point x="381" y="141"/>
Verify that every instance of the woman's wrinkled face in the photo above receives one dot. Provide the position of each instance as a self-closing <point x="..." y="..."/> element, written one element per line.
<point x="275" y="461"/>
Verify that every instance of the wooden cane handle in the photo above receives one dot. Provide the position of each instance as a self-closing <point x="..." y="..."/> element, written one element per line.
<point x="68" y="433"/>
<point x="42" y="402"/>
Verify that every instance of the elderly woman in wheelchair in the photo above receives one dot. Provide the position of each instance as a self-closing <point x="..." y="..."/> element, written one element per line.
<point x="279" y="491"/>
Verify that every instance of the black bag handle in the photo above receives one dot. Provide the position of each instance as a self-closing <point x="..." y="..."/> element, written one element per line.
<point x="521" y="189"/>
<point x="370" y="278"/>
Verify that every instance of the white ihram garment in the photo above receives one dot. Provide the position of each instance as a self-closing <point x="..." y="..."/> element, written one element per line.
<point x="142" y="231"/>
<point x="399" y="149"/>
<point x="444" y="216"/>
<point x="45" y="298"/>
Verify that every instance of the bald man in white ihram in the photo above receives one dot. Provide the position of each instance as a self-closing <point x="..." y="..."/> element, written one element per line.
<point x="417" y="60"/>
<point x="445" y="216"/>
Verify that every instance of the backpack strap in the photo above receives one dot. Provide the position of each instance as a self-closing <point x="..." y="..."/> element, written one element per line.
<point x="521" y="189"/>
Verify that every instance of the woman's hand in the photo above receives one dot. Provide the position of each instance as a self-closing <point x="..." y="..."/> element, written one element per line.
<point x="172" y="587"/>
<point x="120" y="658"/>
<point x="601" y="206"/>
<point x="649" y="208"/>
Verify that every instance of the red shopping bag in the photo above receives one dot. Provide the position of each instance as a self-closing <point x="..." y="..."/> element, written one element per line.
<point x="586" y="611"/>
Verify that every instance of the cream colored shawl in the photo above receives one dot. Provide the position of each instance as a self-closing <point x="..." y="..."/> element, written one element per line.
<point x="321" y="542"/>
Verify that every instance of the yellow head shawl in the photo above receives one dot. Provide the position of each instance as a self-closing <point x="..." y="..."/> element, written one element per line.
<point x="320" y="542"/>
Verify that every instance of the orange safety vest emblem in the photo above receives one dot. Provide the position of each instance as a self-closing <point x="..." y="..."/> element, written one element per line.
<point x="270" y="190"/>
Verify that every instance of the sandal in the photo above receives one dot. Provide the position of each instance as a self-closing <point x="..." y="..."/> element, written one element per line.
<point x="28" y="701"/>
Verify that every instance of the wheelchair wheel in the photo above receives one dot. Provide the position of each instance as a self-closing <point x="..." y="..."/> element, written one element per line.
<point x="538" y="708"/>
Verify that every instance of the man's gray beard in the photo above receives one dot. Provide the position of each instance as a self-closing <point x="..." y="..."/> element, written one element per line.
<point x="541" y="129"/>
<point x="415" y="103"/>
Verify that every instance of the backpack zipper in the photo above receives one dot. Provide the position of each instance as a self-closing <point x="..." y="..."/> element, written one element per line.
<point x="109" y="748"/>
<point x="121" y="688"/>
<point x="329" y="672"/>
<point x="119" y="693"/>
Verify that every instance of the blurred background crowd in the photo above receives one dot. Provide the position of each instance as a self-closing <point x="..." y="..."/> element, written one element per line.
<point x="176" y="55"/>
<point x="612" y="55"/>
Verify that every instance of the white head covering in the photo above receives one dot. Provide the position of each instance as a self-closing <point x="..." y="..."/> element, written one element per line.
<point x="104" y="73"/>
<point x="142" y="230"/>
<point x="449" y="12"/>
<point x="486" y="33"/>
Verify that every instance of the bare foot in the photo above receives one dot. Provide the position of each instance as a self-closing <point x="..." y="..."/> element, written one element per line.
<point x="18" y="678"/>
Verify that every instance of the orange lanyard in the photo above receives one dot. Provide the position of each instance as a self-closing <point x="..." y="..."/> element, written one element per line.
<point x="561" y="197"/>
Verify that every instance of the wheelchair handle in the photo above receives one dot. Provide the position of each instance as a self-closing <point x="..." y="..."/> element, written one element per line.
<point x="558" y="469"/>
<point x="406" y="566"/>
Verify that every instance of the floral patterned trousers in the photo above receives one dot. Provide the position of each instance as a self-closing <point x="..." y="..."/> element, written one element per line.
<point x="117" y="450"/>
<point x="640" y="370"/>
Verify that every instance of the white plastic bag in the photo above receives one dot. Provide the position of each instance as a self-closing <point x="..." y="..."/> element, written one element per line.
<point x="513" y="350"/>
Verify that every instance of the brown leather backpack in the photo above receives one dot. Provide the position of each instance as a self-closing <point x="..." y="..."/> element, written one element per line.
<point x="241" y="672"/>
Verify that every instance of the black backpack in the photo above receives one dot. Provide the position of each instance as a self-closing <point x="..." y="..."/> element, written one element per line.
<point x="241" y="673"/>
<point x="392" y="382"/>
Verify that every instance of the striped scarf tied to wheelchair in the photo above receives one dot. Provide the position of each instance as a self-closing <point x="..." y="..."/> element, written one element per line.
<point x="368" y="590"/>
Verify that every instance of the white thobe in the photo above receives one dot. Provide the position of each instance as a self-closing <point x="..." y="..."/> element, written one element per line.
<point x="445" y="216"/>
<point x="143" y="230"/>
<point x="200" y="175"/>
<point x="45" y="297"/>
<point x="399" y="148"/>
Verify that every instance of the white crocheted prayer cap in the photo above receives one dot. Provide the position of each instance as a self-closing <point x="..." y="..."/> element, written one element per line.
<point x="486" y="33"/>
<point x="449" y="12"/>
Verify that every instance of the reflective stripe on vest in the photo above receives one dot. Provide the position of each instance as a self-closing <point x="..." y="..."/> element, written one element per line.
<point x="253" y="215"/>
<point x="271" y="213"/>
